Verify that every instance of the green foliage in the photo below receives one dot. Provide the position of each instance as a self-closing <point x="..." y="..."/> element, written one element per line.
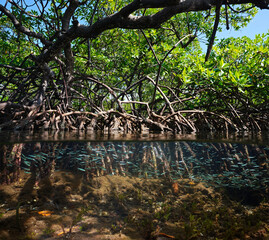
<point x="236" y="74"/>
<point x="122" y="57"/>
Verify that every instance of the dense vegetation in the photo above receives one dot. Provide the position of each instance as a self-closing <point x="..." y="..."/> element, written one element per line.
<point x="131" y="66"/>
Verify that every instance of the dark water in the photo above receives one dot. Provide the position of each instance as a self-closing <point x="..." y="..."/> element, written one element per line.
<point x="7" y="137"/>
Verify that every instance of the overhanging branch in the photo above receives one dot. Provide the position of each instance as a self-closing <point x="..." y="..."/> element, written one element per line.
<point x="122" y="19"/>
<point x="18" y="25"/>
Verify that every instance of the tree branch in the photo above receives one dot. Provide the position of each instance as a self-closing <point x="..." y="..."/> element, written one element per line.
<point x="122" y="19"/>
<point x="21" y="28"/>
<point x="215" y="28"/>
<point x="68" y="14"/>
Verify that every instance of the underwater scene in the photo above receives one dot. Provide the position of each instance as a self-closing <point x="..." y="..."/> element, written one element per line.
<point x="134" y="190"/>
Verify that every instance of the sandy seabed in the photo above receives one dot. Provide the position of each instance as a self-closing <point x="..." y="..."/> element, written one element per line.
<point x="66" y="206"/>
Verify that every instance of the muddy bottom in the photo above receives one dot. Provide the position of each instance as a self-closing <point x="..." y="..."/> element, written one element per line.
<point x="66" y="206"/>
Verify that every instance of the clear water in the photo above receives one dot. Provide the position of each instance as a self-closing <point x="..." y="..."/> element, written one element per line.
<point x="217" y="164"/>
<point x="236" y="165"/>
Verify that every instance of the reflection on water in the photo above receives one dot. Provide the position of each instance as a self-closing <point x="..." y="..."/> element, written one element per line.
<point x="134" y="189"/>
<point x="58" y="136"/>
<point x="217" y="164"/>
